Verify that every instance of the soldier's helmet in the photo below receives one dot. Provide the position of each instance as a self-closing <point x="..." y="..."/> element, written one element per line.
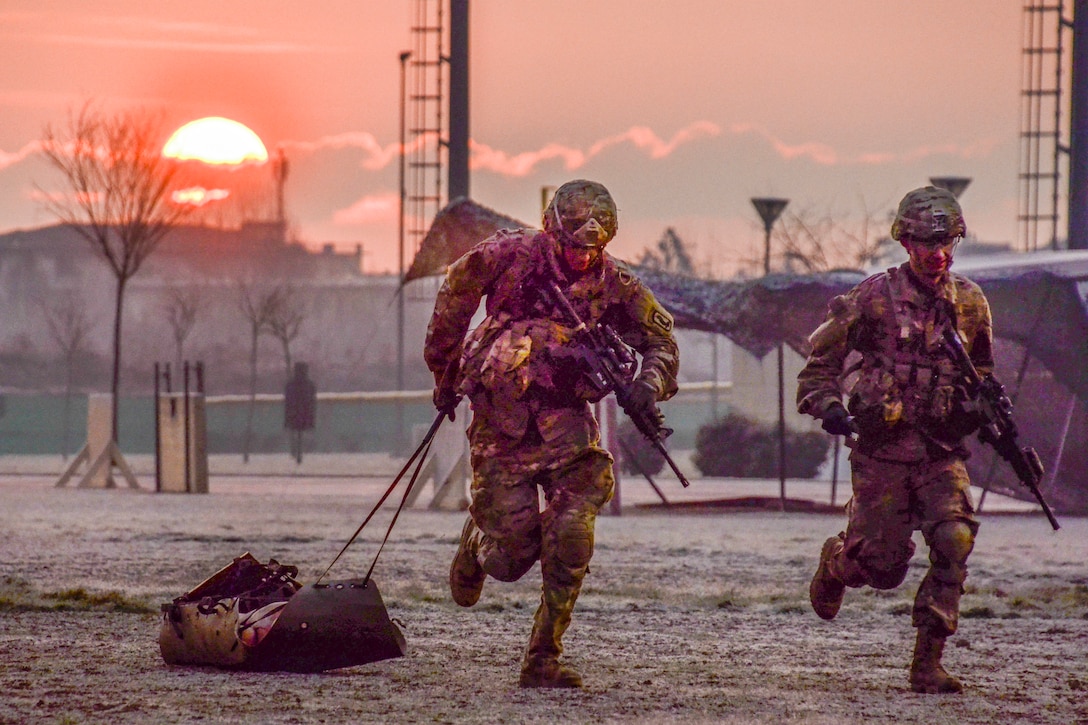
<point x="581" y="213"/>
<point x="929" y="213"/>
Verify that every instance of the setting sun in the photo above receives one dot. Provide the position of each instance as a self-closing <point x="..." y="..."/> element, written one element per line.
<point x="216" y="140"/>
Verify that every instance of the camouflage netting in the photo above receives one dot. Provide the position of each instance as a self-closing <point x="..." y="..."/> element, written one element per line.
<point x="1040" y="321"/>
<point x="455" y="228"/>
<point x="755" y="314"/>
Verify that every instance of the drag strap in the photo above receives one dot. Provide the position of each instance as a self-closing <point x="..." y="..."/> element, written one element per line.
<point x="423" y="448"/>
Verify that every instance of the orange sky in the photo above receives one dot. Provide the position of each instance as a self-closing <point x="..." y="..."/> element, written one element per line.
<point x="684" y="109"/>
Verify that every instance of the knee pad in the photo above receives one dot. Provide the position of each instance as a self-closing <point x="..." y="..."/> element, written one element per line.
<point x="575" y="549"/>
<point x="950" y="543"/>
<point x="952" y="540"/>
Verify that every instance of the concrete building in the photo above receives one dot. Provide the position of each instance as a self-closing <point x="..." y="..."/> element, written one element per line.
<point x="347" y="329"/>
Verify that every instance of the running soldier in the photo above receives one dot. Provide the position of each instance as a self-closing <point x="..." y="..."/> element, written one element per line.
<point x="882" y="347"/>
<point x="532" y="426"/>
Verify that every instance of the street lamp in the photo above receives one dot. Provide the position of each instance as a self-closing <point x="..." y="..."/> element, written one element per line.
<point x="955" y="184"/>
<point x="769" y="209"/>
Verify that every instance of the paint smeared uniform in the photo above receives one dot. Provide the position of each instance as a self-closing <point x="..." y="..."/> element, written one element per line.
<point x="882" y="348"/>
<point x="532" y="425"/>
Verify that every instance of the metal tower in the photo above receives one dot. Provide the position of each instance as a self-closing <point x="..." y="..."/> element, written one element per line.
<point x="426" y="122"/>
<point x="1042" y="151"/>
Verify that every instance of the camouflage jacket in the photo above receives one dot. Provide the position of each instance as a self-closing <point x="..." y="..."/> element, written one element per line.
<point x="882" y="347"/>
<point x="519" y="362"/>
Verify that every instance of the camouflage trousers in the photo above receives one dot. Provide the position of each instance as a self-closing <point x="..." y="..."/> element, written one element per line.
<point x="890" y="501"/>
<point x="516" y="532"/>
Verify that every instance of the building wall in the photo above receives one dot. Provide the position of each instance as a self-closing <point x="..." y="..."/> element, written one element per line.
<point x="349" y="331"/>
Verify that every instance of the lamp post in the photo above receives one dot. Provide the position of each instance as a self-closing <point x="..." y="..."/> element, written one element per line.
<point x="404" y="56"/>
<point x="954" y="184"/>
<point x="769" y="209"/>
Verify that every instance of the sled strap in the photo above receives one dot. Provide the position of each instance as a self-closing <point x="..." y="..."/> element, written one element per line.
<point x="424" y="447"/>
<point x="403" y="500"/>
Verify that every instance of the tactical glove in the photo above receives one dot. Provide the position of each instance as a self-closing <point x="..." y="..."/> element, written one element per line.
<point x="837" y="421"/>
<point x="642" y="398"/>
<point x="446" y="396"/>
<point x="446" y="401"/>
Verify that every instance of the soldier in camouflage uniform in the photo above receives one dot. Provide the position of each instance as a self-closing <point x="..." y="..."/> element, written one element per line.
<point x="881" y="346"/>
<point x="532" y="426"/>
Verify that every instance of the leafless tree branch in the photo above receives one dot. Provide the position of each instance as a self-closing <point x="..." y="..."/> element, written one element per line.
<point x="120" y="186"/>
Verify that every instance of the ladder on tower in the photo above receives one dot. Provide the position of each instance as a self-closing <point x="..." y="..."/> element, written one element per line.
<point x="1042" y="151"/>
<point x="426" y="123"/>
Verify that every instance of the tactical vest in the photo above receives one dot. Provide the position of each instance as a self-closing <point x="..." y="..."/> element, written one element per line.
<point x="904" y="375"/>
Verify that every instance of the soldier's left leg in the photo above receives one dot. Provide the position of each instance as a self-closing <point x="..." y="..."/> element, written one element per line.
<point x="949" y="527"/>
<point x="573" y="495"/>
<point x="501" y="536"/>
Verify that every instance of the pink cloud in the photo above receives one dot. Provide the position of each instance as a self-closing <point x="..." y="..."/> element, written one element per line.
<point x="42" y="197"/>
<point x="377" y="156"/>
<point x="10" y="159"/>
<point x="518" y="165"/>
<point x="368" y="210"/>
<point x="491" y="159"/>
<point x="826" y="155"/>
<point x="642" y="138"/>
<point x="645" y="139"/>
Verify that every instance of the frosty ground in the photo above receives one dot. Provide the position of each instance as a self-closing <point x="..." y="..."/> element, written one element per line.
<point x="689" y="616"/>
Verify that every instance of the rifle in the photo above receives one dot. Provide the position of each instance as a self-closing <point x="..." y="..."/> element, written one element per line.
<point x="998" y="428"/>
<point x="611" y="368"/>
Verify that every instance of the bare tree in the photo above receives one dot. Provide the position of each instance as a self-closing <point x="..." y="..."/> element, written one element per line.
<point x="181" y="305"/>
<point x="670" y="255"/>
<point x="257" y="303"/>
<point x="286" y="320"/>
<point x="69" y="325"/>
<point x="814" y="242"/>
<point x="120" y="201"/>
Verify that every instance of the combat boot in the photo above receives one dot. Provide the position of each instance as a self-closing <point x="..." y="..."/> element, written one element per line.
<point x="540" y="667"/>
<point x="548" y="673"/>
<point x="826" y="590"/>
<point x="466" y="575"/>
<point x="926" y="673"/>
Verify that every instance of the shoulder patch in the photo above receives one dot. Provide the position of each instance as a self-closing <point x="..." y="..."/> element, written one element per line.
<point x="662" y="319"/>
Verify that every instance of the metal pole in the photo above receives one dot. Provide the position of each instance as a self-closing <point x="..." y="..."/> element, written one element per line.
<point x="1078" y="132"/>
<point x="458" y="176"/>
<point x="781" y="383"/>
<point x="188" y="441"/>
<point x="607" y="408"/>
<point x="769" y="209"/>
<point x="767" y="247"/>
<point x="781" y="429"/>
<point x="714" y="366"/>
<point x="404" y="56"/>
<point x="158" y="436"/>
<point x="835" y="469"/>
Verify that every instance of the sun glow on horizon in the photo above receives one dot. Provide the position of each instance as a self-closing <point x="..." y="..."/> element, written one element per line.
<point x="198" y="196"/>
<point x="216" y="140"/>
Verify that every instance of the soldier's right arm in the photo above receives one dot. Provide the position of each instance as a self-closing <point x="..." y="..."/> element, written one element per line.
<point x="818" y="384"/>
<point x="467" y="281"/>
